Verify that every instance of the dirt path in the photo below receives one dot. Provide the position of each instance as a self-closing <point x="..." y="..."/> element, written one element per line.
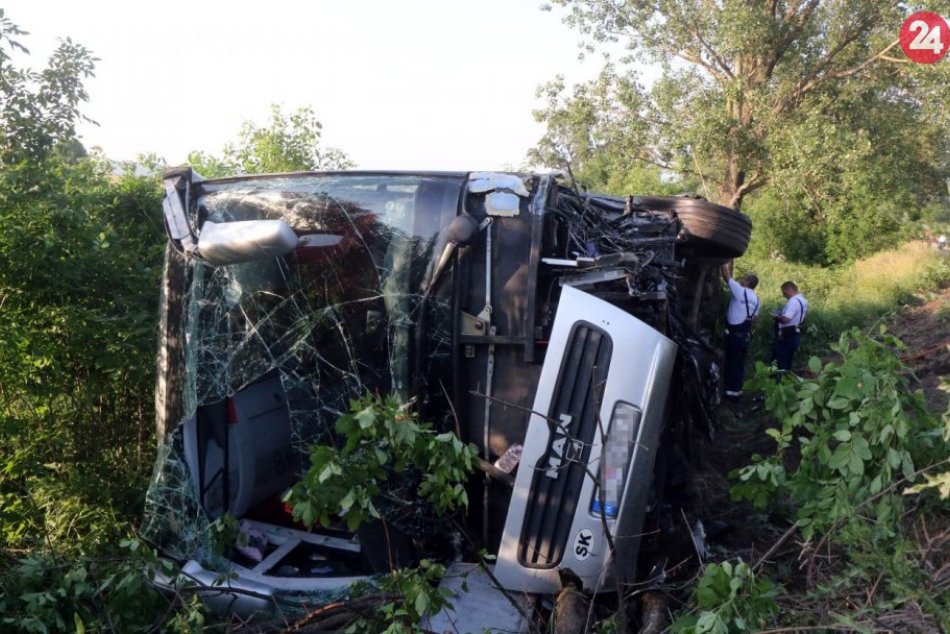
<point x="925" y="329"/>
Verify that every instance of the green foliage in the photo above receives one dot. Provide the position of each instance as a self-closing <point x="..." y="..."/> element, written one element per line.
<point x="225" y="532"/>
<point x="290" y="143"/>
<point x="418" y="595"/>
<point x="846" y="183"/>
<point x="590" y="135"/>
<point x="857" y="294"/>
<point x="381" y="439"/>
<point x="786" y="105"/>
<point x="784" y="229"/>
<point x="42" y="593"/>
<point x="39" y="109"/>
<point x="80" y="259"/>
<point x="845" y="441"/>
<point x="730" y="599"/>
<point x="609" y="625"/>
<point x="858" y="428"/>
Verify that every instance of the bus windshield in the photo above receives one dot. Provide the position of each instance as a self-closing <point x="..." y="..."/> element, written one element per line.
<point x="335" y="318"/>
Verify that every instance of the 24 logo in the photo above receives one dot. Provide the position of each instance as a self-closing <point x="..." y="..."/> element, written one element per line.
<point x="925" y="37"/>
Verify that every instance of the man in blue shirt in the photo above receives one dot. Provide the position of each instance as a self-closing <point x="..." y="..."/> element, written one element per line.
<point x="743" y="309"/>
<point x="788" y="326"/>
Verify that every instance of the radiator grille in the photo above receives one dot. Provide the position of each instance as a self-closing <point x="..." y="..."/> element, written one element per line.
<point x="559" y="476"/>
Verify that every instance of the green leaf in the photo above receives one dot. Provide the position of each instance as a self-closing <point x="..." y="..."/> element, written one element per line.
<point x="347" y="502"/>
<point x="840" y="457"/>
<point x="685" y="623"/>
<point x="856" y="465"/>
<point x="893" y="458"/>
<point x="886" y="432"/>
<point x="861" y="447"/>
<point x="838" y="403"/>
<point x="907" y="466"/>
<point x="366" y="418"/>
<point x="421" y="603"/>
<point x="329" y="471"/>
<point x="307" y="514"/>
<point x="353" y="521"/>
<point x="710" y="622"/>
<point x="712" y="587"/>
<point x="806" y="407"/>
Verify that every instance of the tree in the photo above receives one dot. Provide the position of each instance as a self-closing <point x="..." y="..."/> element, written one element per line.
<point x="291" y="143"/>
<point x="80" y="260"/>
<point x="39" y="109"/>
<point x="737" y="74"/>
<point x="591" y="134"/>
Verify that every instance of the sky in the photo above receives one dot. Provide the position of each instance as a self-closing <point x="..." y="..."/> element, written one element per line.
<point x="398" y="84"/>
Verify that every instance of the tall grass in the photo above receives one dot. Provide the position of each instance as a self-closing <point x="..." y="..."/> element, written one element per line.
<point x="858" y="294"/>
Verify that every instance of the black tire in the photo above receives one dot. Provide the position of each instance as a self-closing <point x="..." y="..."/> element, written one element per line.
<point x="713" y="230"/>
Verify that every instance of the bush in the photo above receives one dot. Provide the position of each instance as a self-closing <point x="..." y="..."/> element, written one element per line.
<point x="45" y="593"/>
<point x="730" y="599"/>
<point x="81" y="260"/>
<point x="858" y="428"/>
<point x="847" y="441"/>
<point x="783" y="231"/>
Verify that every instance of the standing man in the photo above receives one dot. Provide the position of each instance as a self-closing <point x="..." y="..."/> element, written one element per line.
<point x="788" y="326"/>
<point x="743" y="309"/>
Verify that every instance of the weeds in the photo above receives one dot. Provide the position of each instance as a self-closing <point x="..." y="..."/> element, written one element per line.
<point x="843" y="297"/>
<point x="43" y="593"/>
<point x="414" y="592"/>
<point x="847" y="442"/>
<point x="857" y="427"/>
<point x="730" y="599"/>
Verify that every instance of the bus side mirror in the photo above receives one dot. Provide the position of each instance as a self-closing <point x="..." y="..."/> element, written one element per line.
<point x="222" y="243"/>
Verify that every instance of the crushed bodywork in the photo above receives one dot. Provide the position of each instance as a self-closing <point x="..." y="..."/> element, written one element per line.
<point x="510" y="308"/>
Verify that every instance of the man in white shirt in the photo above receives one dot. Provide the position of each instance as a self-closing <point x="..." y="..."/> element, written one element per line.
<point x="743" y="309"/>
<point x="788" y="326"/>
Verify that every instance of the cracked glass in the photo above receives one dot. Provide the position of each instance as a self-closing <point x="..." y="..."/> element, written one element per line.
<point x="286" y="343"/>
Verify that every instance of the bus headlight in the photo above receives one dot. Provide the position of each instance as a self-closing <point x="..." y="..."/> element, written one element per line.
<point x="615" y="459"/>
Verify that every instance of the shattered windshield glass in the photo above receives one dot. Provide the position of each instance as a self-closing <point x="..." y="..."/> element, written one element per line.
<point x="327" y="323"/>
<point x="341" y="310"/>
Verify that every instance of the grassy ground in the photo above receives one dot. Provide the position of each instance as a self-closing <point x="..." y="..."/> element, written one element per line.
<point x="859" y="294"/>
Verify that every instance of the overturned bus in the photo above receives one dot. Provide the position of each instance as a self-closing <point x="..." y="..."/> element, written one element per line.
<point x="516" y="310"/>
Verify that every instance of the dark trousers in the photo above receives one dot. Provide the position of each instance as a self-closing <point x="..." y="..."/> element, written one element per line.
<point x="786" y="343"/>
<point x="737" y="347"/>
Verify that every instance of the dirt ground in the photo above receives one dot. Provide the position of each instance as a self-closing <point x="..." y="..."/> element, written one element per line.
<point x="925" y="329"/>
